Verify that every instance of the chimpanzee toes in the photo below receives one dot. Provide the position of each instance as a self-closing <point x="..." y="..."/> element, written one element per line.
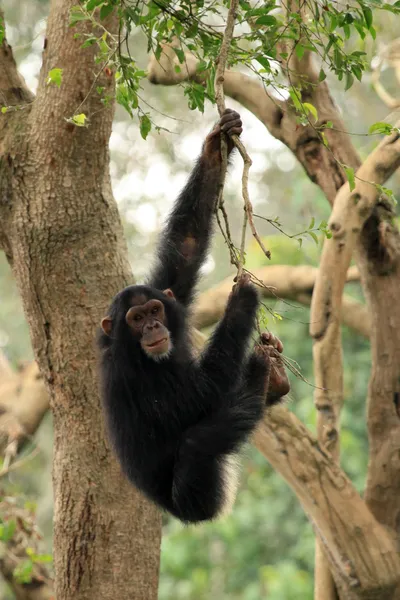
<point x="268" y="339"/>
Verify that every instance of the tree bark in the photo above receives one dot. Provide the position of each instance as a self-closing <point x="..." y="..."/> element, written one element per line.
<point x="63" y="237"/>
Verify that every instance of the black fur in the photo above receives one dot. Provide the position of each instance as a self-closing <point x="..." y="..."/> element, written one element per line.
<point x="174" y="422"/>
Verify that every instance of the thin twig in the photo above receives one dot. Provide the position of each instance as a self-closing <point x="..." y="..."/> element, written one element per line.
<point x="220" y="100"/>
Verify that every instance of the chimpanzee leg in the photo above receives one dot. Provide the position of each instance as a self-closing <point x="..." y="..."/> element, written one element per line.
<point x="186" y="237"/>
<point x="205" y="478"/>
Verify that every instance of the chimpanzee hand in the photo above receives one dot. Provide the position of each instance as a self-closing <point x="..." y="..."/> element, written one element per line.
<point x="271" y="347"/>
<point x="231" y="124"/>
<point x="244" y="295"/>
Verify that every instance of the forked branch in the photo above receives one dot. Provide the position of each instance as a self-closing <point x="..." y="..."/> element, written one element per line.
<point x="220" y="100"/>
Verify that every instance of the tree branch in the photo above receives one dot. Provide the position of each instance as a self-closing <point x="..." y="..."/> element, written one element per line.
<point x="281" y="281"/>
<point x="239" y="86"/>
<point x="361" y="554"/>
<point x="13" y="89"/>
<point x="24" y="401"/>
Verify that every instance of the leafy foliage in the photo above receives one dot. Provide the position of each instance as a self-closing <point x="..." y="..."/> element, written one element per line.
<point x="267" y="39"/>
<point x="55" y="76"/>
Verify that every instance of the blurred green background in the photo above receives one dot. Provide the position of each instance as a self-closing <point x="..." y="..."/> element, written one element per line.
<point x="265" y="548"/>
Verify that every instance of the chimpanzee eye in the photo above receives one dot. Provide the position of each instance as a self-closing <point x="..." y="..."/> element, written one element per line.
<point x="137" y="317"/>
<point x="155" y="310"/>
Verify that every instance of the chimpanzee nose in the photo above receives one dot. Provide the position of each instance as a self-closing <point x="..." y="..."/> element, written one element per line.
<point x="152" y="325"/>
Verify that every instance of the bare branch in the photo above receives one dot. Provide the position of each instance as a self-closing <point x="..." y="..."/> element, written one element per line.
<point x="23" y="403"/>
<point x="13" y="89"/>
<point x="281" y="281"/>
<point x="361" y="554"/>
<point x="390" y="56"/>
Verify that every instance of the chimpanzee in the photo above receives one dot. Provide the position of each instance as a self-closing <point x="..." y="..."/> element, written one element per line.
<point x="177" y="422"/>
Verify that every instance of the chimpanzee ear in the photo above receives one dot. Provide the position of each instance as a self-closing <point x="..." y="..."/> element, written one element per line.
<point x="169" y="293"/>
<point x="106" y="325"/>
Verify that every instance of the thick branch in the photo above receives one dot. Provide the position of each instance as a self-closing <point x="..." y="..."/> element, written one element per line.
<point x="13" y="89"/>
<point x="361" y="554"/>
<point x="23" y="403"/>
<point x="246" y="90"/>
<point x="281" y="281"/>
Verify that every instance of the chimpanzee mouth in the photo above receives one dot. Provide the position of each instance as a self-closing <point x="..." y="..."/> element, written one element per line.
<point x="157" y="343"/>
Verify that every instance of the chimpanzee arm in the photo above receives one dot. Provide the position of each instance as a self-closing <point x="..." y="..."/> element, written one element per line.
<point x="185" y="239"/>
<point x="223" y="361"/>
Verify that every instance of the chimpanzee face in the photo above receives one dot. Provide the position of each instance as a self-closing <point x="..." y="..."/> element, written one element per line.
<point x="146" y="318"/>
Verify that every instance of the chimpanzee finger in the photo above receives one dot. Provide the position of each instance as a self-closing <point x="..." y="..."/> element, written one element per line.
<point x="228" y="117"/>
<point x="234" y="131"/>
<point x="276" y="343"/>
<point x="230" y="124"/>
<point x="268" y="339"/>
<point x="264" y="339"/>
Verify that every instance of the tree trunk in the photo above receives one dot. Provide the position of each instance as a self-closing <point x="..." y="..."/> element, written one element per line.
<point x="63" y="237"/>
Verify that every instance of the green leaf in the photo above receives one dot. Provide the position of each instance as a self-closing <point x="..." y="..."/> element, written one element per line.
<point x="2" y="30"/>
<point x="180" y="54"/>
<point x="192" y="31"/>
<point x="349" y="81"/>
<point x="367" y="12"/>
<point x="299" y="49"/>
<point x="350" y="176"/>
<point x="310" y="108"/>
<point x="89" y="42"/>
<point x="381" y="127"/>
<point x="4" y="109"/>
<point x="7" y="530"/>
<point x="76" y="15"/>
<point x="79" y="120"/>
<point x="23" y="572"/>
<point x="267" y="20"/>
<point x="105" y="10"/>
<point x="322" y="75"/>
<point x="264" y="62"/>
<point x="295" y="99"/>
<point x="357" y="72"/>
<point x="312" y="223"/>
<point x="91" y="4"/>
<point x="145" y="126"/>
<point x="313" y="236"/>
<point x="55" y="76"/>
